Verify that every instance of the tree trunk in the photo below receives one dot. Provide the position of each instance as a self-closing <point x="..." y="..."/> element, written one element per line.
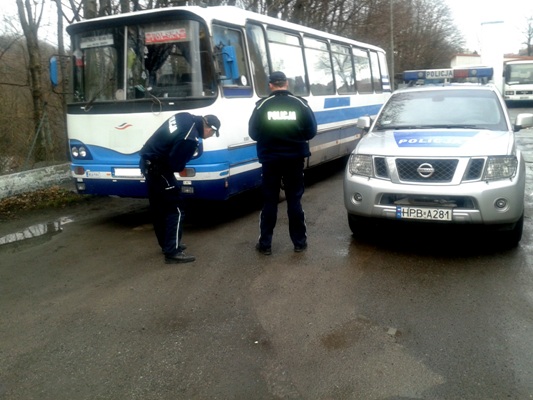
<point x="30" y="27"/>
<point x="125" y="6"/>
<point x="105" y="8"/>
<point x="89" y="9"/>
<point x="62" y="67"/>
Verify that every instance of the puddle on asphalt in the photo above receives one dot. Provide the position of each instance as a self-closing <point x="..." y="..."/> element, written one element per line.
<point x="44" y="230"/>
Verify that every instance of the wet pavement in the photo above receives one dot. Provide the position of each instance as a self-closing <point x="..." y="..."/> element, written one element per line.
<point x="89" y="310"/>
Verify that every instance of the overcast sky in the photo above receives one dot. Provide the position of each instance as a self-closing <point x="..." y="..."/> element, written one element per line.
<point x="468" y="15"/>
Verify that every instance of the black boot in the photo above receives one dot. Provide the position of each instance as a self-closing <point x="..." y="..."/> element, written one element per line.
<point x="179" y="257"/>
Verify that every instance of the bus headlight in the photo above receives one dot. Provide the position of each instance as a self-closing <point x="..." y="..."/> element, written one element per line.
<point x="502" y="167"/>
<point x="360" y="164"/>
<point x="74" y="151"/>
<point x="80" y="152"/>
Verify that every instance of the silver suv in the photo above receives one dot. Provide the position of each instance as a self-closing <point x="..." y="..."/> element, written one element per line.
<point x="439" y="154"/>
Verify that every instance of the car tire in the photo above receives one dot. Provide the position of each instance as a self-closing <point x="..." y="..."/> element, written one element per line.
<point x="512" y="237"/>
<point x="361" y="227"/>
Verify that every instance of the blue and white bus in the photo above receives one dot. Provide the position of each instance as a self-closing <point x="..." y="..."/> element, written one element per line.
<point x="133" y="71"/>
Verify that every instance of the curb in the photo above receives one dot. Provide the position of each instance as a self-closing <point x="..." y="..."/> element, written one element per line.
<point x="35" y="179"/>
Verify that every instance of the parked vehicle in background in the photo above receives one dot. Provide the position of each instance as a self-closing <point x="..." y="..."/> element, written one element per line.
<point x="443" y="155"/>
<point x="518" y="81"/>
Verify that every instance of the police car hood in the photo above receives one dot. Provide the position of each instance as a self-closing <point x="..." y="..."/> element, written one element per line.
<point x="437" y="142"/>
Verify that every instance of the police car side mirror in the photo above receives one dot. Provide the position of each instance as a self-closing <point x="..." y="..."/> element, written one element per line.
<point x="523" y="121"/>
<point x="364" y="123"/>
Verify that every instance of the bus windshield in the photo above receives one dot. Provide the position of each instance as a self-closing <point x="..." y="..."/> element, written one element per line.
<point x="161" y="59"/>
<point x="519" y="74"/>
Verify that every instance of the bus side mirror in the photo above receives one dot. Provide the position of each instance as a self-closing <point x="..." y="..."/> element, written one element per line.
<point x="54" y="79"/>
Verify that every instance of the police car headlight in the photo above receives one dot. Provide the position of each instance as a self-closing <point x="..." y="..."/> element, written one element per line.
<point x="360" y="164"/>
<point x="503" y="167"/>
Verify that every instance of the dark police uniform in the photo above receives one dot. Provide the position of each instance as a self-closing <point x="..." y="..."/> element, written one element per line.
<point x="167" y="151"/>
<point x="282" y="124"/>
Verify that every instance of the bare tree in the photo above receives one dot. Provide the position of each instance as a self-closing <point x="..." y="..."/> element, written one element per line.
<point x="30" y="19"/>
<point x="90" y="9"/>
<point x="74" y="9"/>
<point x="528" y="34"/>
<point x="424" y="34"/>
<point x="62" y="58"/>
<point x="125" y="6"/>
<point x="15" y="104"/>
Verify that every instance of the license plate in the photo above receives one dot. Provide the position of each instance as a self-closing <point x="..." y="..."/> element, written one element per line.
<point x="425" y="213"/>
<point x="93" y="174"/>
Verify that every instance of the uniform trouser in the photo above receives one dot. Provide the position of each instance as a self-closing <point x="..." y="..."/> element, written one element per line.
<point x="290" y="172"/>
<point x="164" y="197"/>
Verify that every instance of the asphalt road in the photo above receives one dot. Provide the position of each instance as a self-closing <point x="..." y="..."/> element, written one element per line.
<point x="88" y="309"/>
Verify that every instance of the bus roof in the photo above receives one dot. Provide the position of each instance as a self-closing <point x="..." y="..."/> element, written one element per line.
<point x="520" y="61"/>
<point x="231" y="14"/>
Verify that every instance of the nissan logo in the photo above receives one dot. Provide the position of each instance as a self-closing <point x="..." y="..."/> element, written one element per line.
<point x="425" y="170"/>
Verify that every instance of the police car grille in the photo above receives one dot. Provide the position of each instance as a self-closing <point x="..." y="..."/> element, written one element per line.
<point x="380" y="167"/>
<point x="443" y="170"/>
<point x="475" y="169"/>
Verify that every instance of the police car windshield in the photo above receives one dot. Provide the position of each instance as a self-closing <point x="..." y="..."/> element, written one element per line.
<point x="448" y="109"/>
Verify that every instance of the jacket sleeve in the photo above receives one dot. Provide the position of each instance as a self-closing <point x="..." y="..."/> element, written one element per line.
<point x="310" y="126"/>
<point x="181" y="154"/>
<point x="253" y="132"/>
<point x="306" y="120"/>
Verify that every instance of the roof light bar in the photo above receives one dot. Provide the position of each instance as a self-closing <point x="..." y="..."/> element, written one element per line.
<point x="448" y="73"/>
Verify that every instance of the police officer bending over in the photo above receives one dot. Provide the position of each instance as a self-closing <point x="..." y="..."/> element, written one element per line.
<point x="167" y="151"/>
<point x="282" y="124"/>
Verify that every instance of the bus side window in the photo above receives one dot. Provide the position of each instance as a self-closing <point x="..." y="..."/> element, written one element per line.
<point x="343" y="69"/>
<point x="376" y="74"/>
<point x="363" y="75"/>
<point x="286" y="54"/>
<point x="258" y="58"/>
<point x="229" y="48"/>
<point x="384" y="72"/>
<point x="319" y="67"/>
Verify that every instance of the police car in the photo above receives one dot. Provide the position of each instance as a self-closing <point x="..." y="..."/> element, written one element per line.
<point x="439" y="154"/>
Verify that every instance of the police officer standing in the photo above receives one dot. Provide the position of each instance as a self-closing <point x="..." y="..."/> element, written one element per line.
<point x="282" y="124"/>
<point x="167" y="151"/>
